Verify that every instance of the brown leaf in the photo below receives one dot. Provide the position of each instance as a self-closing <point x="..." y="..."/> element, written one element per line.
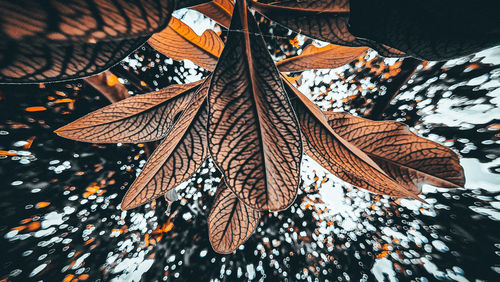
<point x="142" y="118"/>
<point x="409" y="159"/>
<point x="178" y="41"/>
<point x="325" y="20"/>
<point x="253" y="134"/>
<point x="178" y="156"/>
<point x="68" y="39"/>
<point x="336" y="154"/>
<point x="29" y="62"/>
<point x="218" y="10"/>
<point x="81" y="20"/>
<point x="327" y="57"/>
<point x="230" y="222"/>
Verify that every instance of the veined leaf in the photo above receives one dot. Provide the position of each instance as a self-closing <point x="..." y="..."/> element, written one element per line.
<point x="336" y="154"/>
<point x="142" y="118"/>
<point x="327" y="57"/>
<point x="253" y="134"/>
<point x="179" y="155"/>
<point x="178" y="41"/>
<point x="218" y="10"/>
<point x="325" y="20"/>
<point x="81" y="21"/>
<point x="30" y="62"/>
<point x="409" y="159"/>
<point x="230" y="222"/>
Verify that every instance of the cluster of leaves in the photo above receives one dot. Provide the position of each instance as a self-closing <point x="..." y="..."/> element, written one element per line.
<point x="246" y="115"/>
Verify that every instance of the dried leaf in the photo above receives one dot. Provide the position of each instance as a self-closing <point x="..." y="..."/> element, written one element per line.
<point x="218" y="10"/>
<point x="81" y="21"/>
<point x="179" y="155"/>
<point x="336" y="154"/>
<point x="141" y="118"/>
<point x="68" y="39"/>
<point x="230" y="222"/>
<point x="253" y="134"/>
<point x="325" y="20"/>
<point x="327" y="57"/>
<point x="30" y="62"/>
<point x="409" y="159"/>
<point x="178" y="41"/>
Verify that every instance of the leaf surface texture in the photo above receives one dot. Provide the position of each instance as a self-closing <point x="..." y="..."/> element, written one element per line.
<point x="253" y="133"/>
<point x="178" y="156"/>
<point x="406" y="157"/>
<point x="230" y="222"/>
<point x="178" y="41"/>
<point x="142" y="118"/>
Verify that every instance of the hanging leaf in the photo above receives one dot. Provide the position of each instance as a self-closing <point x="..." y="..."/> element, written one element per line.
<point x="179" y="155"/>
<point x="142" y="118"/>
<point x="325" y="20"/>
<point x="327" y="57"/>
<point x="409" y="159"/>
<point x="253" y="133"/>
<point x="81" y="21"/>
<point x="218" y="10"/>
<point x="30" y="62"/>
<point x="178" y="41"/>
<point x="337" y="155"/>
<point x="230" y="222"/>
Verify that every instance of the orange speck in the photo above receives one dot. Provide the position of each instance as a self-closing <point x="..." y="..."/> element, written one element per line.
<point x="19" y="228"/>
<point x="65" y="100"/>
<point x="40" y="205"/>
<point x="35" y="109"/>
<point x="41" y="85"/>
<point x="143" y="83"/>
<point x="295" y="42"/>
<point x="83" y="277"/>
<point x="30" y="142"/>
<point x="61" y="94"/>
<point x="26" y="220"/>
<point x="89" y="241"/>
<point x="68" y="277"/>
<point x="382" y="255"/>
<point x="111" y="80"/>
<point x="7" y="153"/>
<point x="168" y="227"/>
<point x="34" y="226"/>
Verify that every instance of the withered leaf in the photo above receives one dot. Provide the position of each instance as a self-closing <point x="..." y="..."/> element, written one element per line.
<point x="142" y="118"/>
<point x="67" y="39"/>
<point x="178" y="41"/>
<point x="338" y="155"/>
<point x="409" y="159"/>
<point x="327" y="57"/>
<point x="178" y="156"/>
<point x="29" y="62"/>
<point x="253" y="134"/>
<point x="325" y="20"/>
<point x="218" y="10"/>
<point x="230" y="222"/>
<point x="81" y="21"/>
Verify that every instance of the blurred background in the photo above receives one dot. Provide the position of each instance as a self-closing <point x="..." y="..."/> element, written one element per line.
<point x="60" y="198"/>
